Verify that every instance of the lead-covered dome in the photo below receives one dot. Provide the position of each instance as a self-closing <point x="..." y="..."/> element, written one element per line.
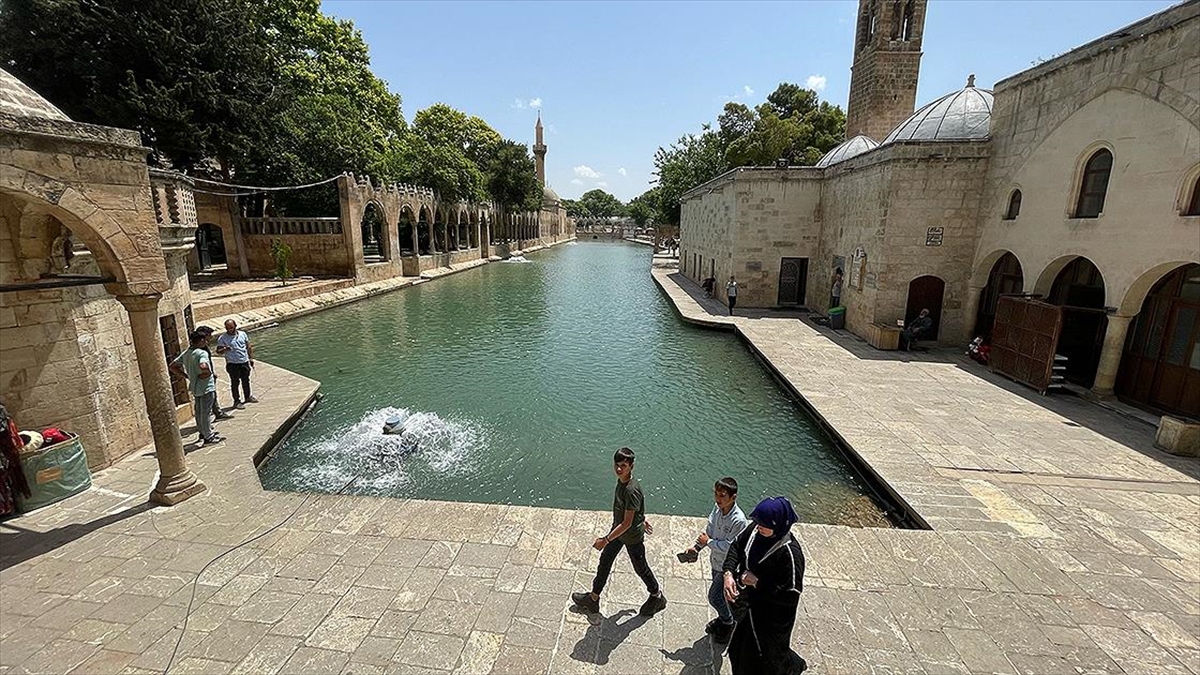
<point x="964" y="115"/>
<point x="847" y="149"/>
<point x="550" y="197"/>
<point x="20" y="101"/>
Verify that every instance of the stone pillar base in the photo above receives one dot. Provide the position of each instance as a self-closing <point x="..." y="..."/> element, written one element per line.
<point x="176" y="489"/>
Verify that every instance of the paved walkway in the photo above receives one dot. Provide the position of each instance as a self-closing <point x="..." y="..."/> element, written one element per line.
<point x="1062" y="543"/>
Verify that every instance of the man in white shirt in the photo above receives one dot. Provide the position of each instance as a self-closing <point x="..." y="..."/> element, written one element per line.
<point x="235" y="346"/>
<point x="731" y="290"/>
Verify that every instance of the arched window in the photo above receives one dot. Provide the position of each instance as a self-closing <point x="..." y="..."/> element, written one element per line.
<point x="1193" y="205"/>
<point x="1094" y="186"/>
<point x="1014" y="206"/>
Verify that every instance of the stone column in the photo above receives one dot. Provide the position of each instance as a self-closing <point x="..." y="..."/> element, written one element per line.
<point x="1110" y="356"/>
<point x="415" y="240"/>
<point x="970" y="310"/>
<point x="432" y="241"/>
<point x="175" y="481"/>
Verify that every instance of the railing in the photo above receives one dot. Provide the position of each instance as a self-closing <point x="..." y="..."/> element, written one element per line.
<point x="174" y="199"/>
<point x="281" y="226"/>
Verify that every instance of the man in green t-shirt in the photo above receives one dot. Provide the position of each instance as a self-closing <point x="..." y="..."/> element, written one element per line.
<point x="196" y="364"/>
<point x="628" y="531"/>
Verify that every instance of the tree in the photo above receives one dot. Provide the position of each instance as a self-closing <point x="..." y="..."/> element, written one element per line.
<point x="644" y="207"/>
<point x="600" y="204"/>
<point x="281" y="254"/>
<point x="511" y="178"/>
<point x="688" y="162"/>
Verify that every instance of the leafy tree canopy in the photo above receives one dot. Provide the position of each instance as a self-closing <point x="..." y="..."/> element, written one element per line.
<point x="792" y="124"/>
<point x="600" y="204"/>
<point x="511" y="178"/>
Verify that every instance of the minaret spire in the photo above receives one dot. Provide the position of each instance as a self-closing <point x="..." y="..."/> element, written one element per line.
<point x="539" y="151"/>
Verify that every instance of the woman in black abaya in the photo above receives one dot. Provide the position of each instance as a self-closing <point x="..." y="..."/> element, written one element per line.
<point x="764" y="573"/>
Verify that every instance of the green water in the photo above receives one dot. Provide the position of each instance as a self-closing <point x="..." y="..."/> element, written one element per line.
<point x="521" y="380"/>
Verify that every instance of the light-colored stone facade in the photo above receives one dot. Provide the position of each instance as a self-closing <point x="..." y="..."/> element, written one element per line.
<point x="938" y="204"/>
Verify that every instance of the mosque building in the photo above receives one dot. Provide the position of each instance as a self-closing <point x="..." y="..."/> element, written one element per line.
<point x="1076" y="181"/>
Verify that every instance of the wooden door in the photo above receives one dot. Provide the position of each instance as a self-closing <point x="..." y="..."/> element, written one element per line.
<point x="926" y="293"/>
<point x="793" y="280"/>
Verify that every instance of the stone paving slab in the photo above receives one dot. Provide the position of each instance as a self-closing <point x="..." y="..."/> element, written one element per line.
<point x="1086" y="577"/>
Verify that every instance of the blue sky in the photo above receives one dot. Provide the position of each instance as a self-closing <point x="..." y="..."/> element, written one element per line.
<point x="615" y="80"/>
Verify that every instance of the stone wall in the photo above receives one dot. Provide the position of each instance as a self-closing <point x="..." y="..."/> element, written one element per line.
<point x="778" y="215"/>
<point x="854" y="205"/>
<point x="222" y="212"/>
<point x="1134" y="93"/>
<point x="312" y="254"/>
<point x="707" y="230"/>
<point x="66" y="355"/>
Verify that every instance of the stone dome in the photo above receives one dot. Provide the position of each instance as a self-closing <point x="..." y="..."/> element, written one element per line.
<point x="964" y="115"/>
<point x="847" y="149"/>
<point x="20" y="101"/>
<point x="549" y="196"/>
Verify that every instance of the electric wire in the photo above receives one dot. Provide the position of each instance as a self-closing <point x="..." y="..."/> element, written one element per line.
<point x="196" y="581"/>
<point x="258" y="188"/>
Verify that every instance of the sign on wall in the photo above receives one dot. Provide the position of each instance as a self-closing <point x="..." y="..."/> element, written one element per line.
<point x="933" y="236"/>
<point x="858" y="268"/>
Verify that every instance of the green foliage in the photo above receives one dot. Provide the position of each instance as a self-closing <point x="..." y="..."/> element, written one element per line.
<point x="600" y="204"/>
<point x="281" y="253"/>
<point x="644" y="207"/>
<point x="511" y="178"/>
<point x="793" y="125"/>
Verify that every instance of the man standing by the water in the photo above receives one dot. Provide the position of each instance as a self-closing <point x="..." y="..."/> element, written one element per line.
<point x="731" y="290"/>
<point x="196" y="363"/>
<point x="628" y="531"/>
<point x="235" y="345"/>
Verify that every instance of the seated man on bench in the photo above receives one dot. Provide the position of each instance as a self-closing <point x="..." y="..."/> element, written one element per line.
<point x="916" y="329"/>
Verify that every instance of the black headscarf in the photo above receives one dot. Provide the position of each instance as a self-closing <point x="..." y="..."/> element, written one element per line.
<point x="776" y="513"/>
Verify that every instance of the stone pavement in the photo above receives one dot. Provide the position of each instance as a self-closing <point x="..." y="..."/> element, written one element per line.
<point x="1062" y="543"/>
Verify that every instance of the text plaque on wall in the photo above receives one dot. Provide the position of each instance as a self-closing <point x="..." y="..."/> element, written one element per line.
<point x="933" y="236"/>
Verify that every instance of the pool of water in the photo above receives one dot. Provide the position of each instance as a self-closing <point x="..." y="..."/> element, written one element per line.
<point x="517" y="381"/>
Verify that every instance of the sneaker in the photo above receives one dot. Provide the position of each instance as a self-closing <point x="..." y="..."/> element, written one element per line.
<point x="654" y="604"/>
<point x="583" y="600"/>
<point x="224" y="416"/>
<point x="214" y="439"/>
<point x="251" y="399"/>
<point x="239" y="405"/>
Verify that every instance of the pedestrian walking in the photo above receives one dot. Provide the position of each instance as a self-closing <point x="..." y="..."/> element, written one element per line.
<point x="835" y="289"/>
<point x="763" y="577"/>
<point x="725" y="523"/>
<point x="218" y="413"/>
<point x="731" y="292"/>
<point x="235" y="346"/>
<point x="628" y="531"/>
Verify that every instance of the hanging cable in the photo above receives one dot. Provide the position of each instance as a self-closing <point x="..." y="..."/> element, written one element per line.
<point x="266" y="189"/>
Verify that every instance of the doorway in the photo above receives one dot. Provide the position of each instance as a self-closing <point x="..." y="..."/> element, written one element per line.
<point x="1079" y="290"/>
<point x="926" y="293"/>
<point x="793" y="281"/>
<point x="1161" y="364"/>
<point x="1006" y="278"/>
<point x="210" y="245"/>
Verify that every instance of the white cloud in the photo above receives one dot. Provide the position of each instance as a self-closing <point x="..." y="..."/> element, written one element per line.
<point x="585" y="171"/>
<point x="815" y="82"/>
<point x="552" y="129"/>
<point x="576" y="181"/>
<point x="601" y="183"/>
<point x="746" y="88"/>
<point x="518" y="103"/>
<point x="622" y="171"/>
<point x="535" y="102"/>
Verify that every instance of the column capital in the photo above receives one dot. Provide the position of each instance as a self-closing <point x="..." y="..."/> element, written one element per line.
<point x="140" y="303"/>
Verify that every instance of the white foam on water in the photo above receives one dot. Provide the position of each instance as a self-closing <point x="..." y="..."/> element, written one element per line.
<point x="518" y="259"/>
<point x="383" y="462"/>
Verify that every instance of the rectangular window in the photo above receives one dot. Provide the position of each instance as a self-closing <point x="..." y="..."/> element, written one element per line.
<point x="171" y="347"/>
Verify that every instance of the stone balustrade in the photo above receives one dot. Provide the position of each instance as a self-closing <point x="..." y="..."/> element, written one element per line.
<point x="174" y="202"/>
<point x="290" y="226"/>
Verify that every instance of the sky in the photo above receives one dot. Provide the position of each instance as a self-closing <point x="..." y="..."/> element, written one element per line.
<point x="616" y="80"/>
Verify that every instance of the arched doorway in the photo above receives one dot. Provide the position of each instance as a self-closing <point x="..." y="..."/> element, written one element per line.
<point x="374" y="248"/>
<point x="210" y="245"/>
<point x="1160" y="366"/>
<point x="1079" y="289"/>
<point x="407" y="245"/>
<point x="925" y="293"/>
<point x="1006" y="278"/>
<point x="423" y="240"/>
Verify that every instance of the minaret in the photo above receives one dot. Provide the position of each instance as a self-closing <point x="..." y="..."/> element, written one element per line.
<point x="539" y="152"/>
<point x="887" y="58"/>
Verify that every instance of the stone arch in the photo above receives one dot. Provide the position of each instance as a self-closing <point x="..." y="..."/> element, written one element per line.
<point x="927" y="291"/>
<point x="374" y="226"/>
<point x="1049" y="273"/>
<point x="1132" y="302"/>
<point x="131" y="258"/>
<point x="1189" y="192"/>
<point x="406" y="229"/>
<point x="1002" y="274"/>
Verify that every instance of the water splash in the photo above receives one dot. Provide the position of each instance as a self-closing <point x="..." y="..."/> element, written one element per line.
<point x="518" y="259"/>
<point x="384" y="462"/>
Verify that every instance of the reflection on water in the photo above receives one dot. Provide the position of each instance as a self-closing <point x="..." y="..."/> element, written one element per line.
<point x="519" y="381"/>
